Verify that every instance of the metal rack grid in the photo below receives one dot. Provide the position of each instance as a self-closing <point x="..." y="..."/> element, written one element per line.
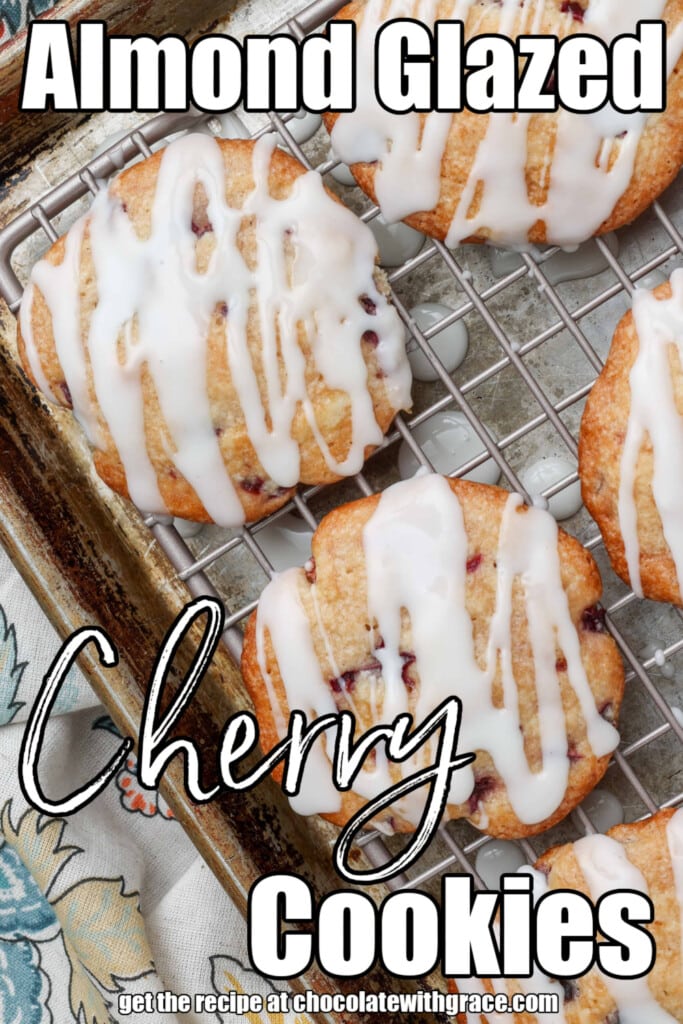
<point x="510" y="356"/>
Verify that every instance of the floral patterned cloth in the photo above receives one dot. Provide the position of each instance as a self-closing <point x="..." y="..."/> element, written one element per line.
<point x="113" y="900"/>
<point x="16" y="14"/>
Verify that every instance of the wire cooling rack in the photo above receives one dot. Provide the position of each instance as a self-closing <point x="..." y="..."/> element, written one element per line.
<point x="535" y="350"/>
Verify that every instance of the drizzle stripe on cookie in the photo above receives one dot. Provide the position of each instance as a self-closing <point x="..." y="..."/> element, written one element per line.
<point x="155" y="283"/>
<point x="589" y="168"/>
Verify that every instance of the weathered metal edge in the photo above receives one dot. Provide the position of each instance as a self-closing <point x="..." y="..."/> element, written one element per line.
<point x="57" y="523"/>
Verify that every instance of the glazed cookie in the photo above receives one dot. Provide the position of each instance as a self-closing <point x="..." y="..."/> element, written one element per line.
<point x="511" y="178"/>
<point x="646" y="857"/>
<point x="218" y="325"/>
<point x="631" y="445"/>
<point x="433" y="589"/>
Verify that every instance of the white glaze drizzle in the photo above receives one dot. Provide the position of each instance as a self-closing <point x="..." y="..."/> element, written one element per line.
<point x="156" y="281"/>
<point x="583" y="190"/>
<point x="653" y="414"/>
<point x="674" y="835"/>
<point x="291" y="638"/>
<point x="605" y="867"/>
<point x="415" y="549"/>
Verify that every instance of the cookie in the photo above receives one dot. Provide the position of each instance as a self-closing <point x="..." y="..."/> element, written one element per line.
<point x="631" y="445"/>
<point x="647" y="857"/>
<point x="556" y="177"/>
<point x="433" y="589"/>
<point x="218" y="325"/>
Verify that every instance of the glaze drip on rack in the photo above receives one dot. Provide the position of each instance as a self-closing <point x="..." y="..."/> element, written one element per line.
<point x="415" y="547"/>
<point x="154" y="283"/>
<point x="588" y="171"/>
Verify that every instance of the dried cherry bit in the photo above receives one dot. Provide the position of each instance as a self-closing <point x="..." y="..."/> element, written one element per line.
<point x="66" y="393"/>
<point x="222" y="309"/>
<point x="335" y="685"/>
<point x="201" y="229"/>
<point x="593" y="619"/>
<point x="252" y="484"/>
<point x="561" y="665"/>
<point x="474" y="562"/>
<point x="349" y="679"/>
<point x="408" y="660"/>
<point x="370" y="338"/>
<point x="573" y="8"/>
<point x="573" y="754"/>
<point x="484" y="785"/>
<point x="368" y="305"/>
<point x="278" y="493"/>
